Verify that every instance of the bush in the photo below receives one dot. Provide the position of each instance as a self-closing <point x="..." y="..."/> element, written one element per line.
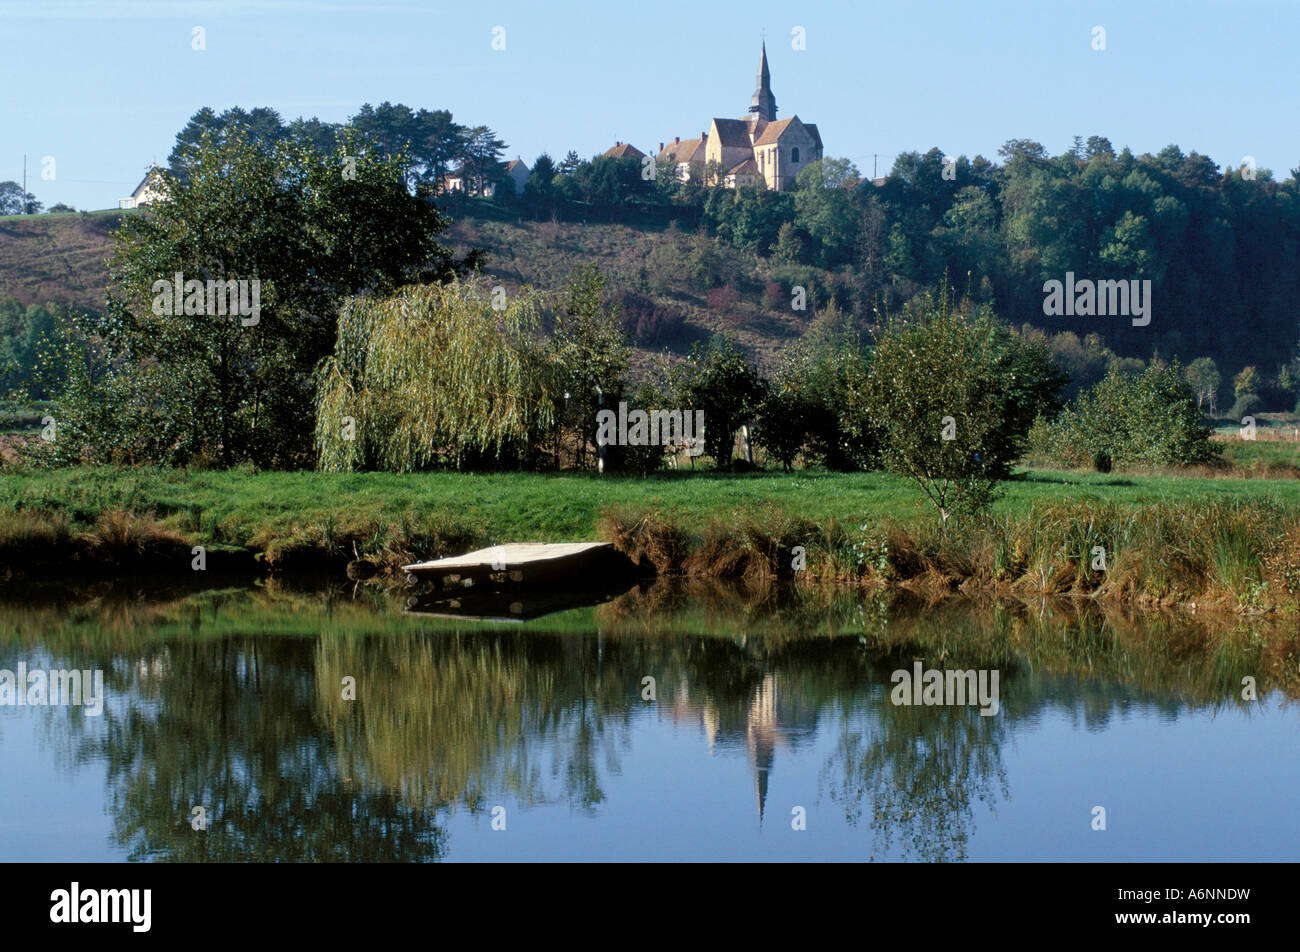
<point x="1150" y="419"/>
<point x="1247" y="404"/>
<point x="649" y="322"/>
<point x="953" y="394"/>
<point x="720" y="381"/>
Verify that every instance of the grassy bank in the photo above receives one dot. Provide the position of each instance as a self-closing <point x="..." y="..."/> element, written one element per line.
<point x="1229" y="542"/>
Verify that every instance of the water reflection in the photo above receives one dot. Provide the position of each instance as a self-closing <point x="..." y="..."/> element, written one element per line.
<point x="238" y="702"/>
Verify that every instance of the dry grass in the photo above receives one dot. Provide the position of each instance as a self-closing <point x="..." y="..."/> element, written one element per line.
<point x="1240" y="556"/>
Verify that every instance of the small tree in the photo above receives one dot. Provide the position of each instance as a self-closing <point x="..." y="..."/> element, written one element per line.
<point x="591" y="352"/>
<point x="1150" y="420"/>
<point x="952" y="394"/>
<point x="720" y="381"/>
<point x="434" y="375"/>
<point x="1246" y="382"/>
<point x="1203" y="376"/>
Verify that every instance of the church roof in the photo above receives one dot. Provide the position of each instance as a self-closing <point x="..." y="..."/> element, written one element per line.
<point x="748" y="166"/>
<point x="733" y="133"/>
<point x="687" y="150"/>
<point x="623" y="150"/>
<point x="773" y="131"/>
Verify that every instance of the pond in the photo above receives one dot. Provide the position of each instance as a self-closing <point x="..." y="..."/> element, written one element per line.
<point x="669" y="723"/>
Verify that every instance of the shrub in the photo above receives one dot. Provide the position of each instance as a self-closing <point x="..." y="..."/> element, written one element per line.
<point x="649" y="322"/>
<point x="1245" y="405"/>
<point x="720" y="381"/>
<point x="1150" y="419"/>
<point x="952" y="394"/>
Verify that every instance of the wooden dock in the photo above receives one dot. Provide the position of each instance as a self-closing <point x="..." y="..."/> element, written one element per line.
<point x="570" y="564"/>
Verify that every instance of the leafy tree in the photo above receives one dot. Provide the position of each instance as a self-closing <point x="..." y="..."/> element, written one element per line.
<point x="480" y="160"/>
<point x="826" y="209"/>
<point x="13" y="201"/>
<point x="1150" y="419"/>
<point x="31" y="341"/>
<point x="591" y="352"/>
<point x="1247" y="381"/>
<point x="1203" y="376"/>
<point x="261" y="128"/>
<point x="492" y="397"/>
<point x="952" y="394"/>
<point x="205" y="386"/>
<point x="719" y="380"/>
<point x="539" y="190"/>
<point x="429" y="139"/>
<point x="60" y="208"/>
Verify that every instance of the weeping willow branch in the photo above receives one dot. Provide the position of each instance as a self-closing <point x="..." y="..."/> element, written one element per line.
<point x="430" y="375"/>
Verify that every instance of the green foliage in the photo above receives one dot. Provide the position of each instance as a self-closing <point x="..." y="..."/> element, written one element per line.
<point x="31" y="341"/>
<point x="827" y="210"/>
<point x="591" y="352"/>
<point x="1203" y="377"/>
<point x="808" y="408"/>
<point x="1150" y="419"/>
<point x="952" y="394"/>
<point x="720" y="381"/>
<point x="1245" y="405"/>
<point x="434" y="375"/>
<point x="207" y="387"/>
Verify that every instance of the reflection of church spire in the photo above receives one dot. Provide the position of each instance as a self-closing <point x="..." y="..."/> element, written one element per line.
<point x="760" y="737"/>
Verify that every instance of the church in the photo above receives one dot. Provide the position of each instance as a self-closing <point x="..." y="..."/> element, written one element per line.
<point x="756" y="149"/>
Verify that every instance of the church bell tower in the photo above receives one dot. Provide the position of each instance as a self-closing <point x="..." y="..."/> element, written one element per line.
<point x="762" y="105"/>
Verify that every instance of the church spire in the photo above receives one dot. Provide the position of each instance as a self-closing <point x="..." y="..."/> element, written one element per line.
<point x="763" y="104"/>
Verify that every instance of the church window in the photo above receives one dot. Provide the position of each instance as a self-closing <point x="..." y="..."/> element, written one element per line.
<point x="794" y="154"/>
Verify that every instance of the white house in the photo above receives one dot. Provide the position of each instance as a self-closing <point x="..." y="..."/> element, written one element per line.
<point x="151" y="190"/>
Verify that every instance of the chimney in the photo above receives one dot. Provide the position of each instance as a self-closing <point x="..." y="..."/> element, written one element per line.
<point x="661" y="146"/>
<point x="677" y="140"/>
<point x="617" y="143"/>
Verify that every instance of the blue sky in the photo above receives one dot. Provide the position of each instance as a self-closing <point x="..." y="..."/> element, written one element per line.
<point x="103" y="86"/>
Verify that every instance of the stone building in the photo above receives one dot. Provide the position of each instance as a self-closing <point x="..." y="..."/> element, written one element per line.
<point x="755" y="149"/>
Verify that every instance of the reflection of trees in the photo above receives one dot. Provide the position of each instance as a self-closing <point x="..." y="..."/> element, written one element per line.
<point x="920" y="769"/>
<point x="460" y="719"/>
<point x="255" y="728"/>
<point x="228" y="726"/>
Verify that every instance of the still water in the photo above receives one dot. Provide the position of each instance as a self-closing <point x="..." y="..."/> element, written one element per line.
<point x="334" y="725"/>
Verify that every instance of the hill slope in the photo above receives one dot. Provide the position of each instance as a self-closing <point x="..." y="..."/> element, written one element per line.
<point x="675" y="288"/>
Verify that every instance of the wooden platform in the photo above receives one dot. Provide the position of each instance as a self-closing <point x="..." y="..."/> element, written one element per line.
<point x="571" y="563"/>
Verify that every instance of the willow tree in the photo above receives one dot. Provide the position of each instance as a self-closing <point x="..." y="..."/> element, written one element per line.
<point x="435" y="375"/>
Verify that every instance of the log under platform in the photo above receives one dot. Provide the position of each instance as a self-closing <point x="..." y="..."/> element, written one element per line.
<point x="563" y="565"/>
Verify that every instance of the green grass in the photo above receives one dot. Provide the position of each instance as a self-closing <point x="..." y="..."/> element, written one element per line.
<point x="1261" y="453"/>
<point x="561" y="507"/>
<point x="1225" y="542"/>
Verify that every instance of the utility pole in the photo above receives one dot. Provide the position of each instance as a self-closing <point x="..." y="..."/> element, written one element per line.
<point x="25" y="205"/>
<point x="874" y="156"/>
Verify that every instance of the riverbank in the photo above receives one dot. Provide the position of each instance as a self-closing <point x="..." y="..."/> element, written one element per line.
<point x="1210" y="543"/>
